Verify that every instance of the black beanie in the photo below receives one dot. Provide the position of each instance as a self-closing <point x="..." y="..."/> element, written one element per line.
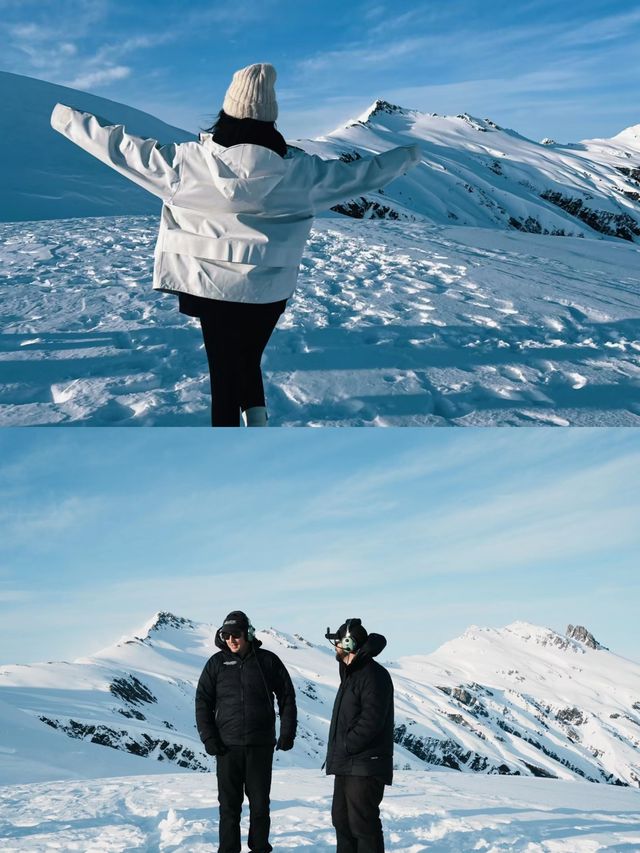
<point x="236" y="621"/>
<point x="357" y="631"/>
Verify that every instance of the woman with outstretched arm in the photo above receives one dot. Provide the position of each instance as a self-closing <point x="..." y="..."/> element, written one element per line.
<point x="238" y="205"/>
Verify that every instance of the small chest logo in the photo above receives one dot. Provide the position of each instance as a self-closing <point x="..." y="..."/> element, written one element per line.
<point x="230" y="662"/>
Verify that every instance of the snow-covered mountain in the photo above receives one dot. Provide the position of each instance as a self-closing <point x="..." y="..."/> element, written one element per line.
<point x="47" y="177"/>
<point x="476" y="173"/>
<point x="473" y="172"/>
<point x="521" y="700"/>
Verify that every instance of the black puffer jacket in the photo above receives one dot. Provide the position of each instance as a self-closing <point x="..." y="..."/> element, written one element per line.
<point x="361" y="732"/>
<point x="234" y="698"/>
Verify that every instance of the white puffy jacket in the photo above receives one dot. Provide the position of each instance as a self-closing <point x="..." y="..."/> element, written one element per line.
<point x="234" y="220"/>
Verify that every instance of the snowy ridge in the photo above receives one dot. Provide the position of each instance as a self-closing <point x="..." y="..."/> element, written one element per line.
<point x="476" y="173"/>
<point x="520" y="700"/>
<point x="473" y="172"/>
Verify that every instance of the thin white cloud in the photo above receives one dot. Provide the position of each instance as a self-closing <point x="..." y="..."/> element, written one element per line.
<point x="606" y="28"/>
<point x="99" y="77"/>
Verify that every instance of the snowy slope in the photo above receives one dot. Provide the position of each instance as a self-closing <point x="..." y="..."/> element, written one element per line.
<point x="392" y="324"/>
<point x="439" y="812"/>
<point x="47" y="177"/>
<point x="521" y="700"/>
<point x="476" y="173"/>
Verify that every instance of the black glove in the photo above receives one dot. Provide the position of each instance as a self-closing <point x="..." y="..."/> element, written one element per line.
<point x="214" y="747"/>
<point x="284" y="743"/>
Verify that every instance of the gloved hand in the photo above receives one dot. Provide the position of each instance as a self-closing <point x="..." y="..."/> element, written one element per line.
<point x="285" y="744"/>
<point x="214" y="747"/>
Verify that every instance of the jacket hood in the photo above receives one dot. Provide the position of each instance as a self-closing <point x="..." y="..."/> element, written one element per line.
<point x="243" y="172"/>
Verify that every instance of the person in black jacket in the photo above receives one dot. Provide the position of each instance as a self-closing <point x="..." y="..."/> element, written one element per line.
<point x="235" y="717"/>
<point x="360" y="746"/>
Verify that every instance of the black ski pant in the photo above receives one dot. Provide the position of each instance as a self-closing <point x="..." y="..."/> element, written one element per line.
<point x="235" y="336"/>
<point x="244" y="769"/>
<point x="355" y="814"/>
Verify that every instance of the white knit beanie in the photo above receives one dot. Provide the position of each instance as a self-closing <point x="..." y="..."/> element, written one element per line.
<point x="252" y="94"/>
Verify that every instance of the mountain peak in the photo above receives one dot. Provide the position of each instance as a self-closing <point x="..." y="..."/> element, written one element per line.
<point x="580" y="633"/>
<point x="631" y="132"/>
<point x="380" y="107"/>
<point x="163" y="619"/>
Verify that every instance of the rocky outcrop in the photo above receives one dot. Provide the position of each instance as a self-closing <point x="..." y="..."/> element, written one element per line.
<point x="362" y="208"/>
<point x="580" y="633"/>
<point x="620" y="225"/>
<point x="140" y="743"/>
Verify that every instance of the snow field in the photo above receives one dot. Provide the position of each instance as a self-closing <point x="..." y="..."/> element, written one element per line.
<point x="392" y="324"/>
<point x="444" y="811"/>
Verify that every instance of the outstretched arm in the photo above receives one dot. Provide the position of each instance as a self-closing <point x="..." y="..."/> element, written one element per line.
<point x="144" y="161"/>
<point x="335" y="180"/>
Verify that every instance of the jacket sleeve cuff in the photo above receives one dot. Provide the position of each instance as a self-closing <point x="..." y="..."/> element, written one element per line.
<point x="61" y="117"/>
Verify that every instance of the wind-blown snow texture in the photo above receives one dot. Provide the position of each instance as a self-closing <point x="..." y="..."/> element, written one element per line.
<point x="443" y="313"/>
<point x="470" y="698"/>
<point x="392" y="324"/>
<point x="435" y="812"/>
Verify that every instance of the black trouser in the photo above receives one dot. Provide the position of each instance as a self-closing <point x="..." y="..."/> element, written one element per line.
<point x="355" y="813"/>
<point x="244" y="768"/>
<point x="235" y="335"/>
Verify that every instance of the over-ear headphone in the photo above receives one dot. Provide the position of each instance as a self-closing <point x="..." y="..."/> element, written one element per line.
<point x="348" y="643"/>
<point x="251" y="631"/>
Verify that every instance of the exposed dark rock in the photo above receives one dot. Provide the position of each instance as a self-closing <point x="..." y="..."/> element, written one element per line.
<point x="139" y="744"/>
<point x="632" y="173"/>
<point x="580" y="633"/>
<point x="620" y="225"/>
<point x="539" y="771"/>
<point x="164" y="619"/>
<point x="309" y="690"/>
<point x="571" y="716"/>
<point x="531" y="226"/>
<point x="131" y="713"/>
<point x="360" y="208"/>
<point x="131" y="690"/>
<point x="474" y="123"/>
<point x="385" y="107"/>
<point x="349" y="156"/>
<point x="442" y="753"/>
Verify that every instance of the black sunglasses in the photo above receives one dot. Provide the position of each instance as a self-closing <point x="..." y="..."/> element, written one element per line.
<point x="226" y="635"/>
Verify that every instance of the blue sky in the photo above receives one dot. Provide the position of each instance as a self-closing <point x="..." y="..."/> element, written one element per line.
<point x="567" y="70"/>
<point x="420" y="537"/>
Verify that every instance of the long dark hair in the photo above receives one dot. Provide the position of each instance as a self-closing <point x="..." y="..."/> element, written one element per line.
<point x="228" y="131"/>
